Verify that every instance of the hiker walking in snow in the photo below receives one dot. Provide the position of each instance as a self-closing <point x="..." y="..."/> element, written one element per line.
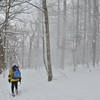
<point x="13" y="77"/>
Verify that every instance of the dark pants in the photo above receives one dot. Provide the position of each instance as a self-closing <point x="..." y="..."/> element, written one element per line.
<point x="14" y="85"/>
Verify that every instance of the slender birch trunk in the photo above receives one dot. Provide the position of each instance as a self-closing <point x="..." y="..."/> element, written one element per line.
<point x="47" y="40"/>
<point x="94" y="34"/>
<point x="64" y="37"/>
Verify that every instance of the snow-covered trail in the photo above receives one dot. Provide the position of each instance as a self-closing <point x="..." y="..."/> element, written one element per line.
<point x="80" y="85"/>
<point x="27" y="89"/>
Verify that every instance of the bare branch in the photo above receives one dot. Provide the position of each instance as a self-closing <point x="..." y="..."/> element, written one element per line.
<point x="35" y="6"/>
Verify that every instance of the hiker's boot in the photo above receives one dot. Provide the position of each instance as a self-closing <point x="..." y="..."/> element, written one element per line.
<point x="16" y="91"/>
<point x="13" y="94"/>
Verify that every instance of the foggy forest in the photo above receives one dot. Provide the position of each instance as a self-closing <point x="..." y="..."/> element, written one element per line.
<point x="49" y="33"/>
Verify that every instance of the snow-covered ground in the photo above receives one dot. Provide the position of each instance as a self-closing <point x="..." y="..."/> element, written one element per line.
<point x="66" y="85"/>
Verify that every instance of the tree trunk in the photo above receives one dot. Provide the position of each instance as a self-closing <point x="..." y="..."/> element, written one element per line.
<point x="90" y="32"/>
<point x="2" y="57"/>
<point x="97" y="37"/>
<point x="23" y="49"/>
<point x="57" y="63"/>
<point x="94" y="34"/>
<point x="47" y="41"/>
<point x="77" y="37"/>
<point x="84" y="50"/>
<point x="64" y="37"/>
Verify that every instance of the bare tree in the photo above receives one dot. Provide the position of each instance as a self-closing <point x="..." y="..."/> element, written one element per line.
<point x="64" y="37"/>
<point x="94" y="32"/>
<point x="47" y="40"/>
<point x="10" y="8"/>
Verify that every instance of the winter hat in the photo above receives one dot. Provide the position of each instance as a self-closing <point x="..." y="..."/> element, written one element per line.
<point x="14" y="65"/>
